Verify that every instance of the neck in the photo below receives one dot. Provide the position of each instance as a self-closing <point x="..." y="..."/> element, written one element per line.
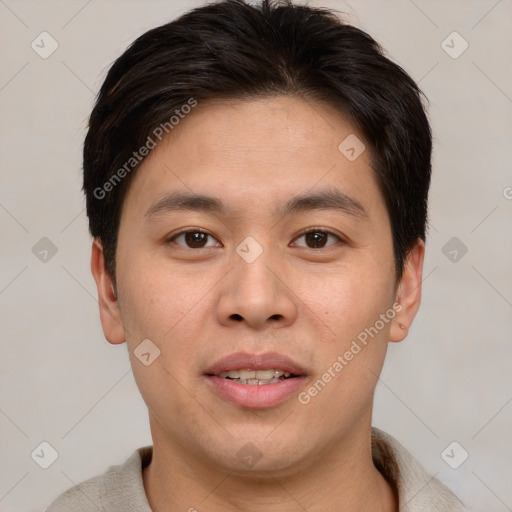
<point x="343" y="478"/>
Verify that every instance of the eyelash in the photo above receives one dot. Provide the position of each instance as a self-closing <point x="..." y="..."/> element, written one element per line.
<point x="309" y="230"/>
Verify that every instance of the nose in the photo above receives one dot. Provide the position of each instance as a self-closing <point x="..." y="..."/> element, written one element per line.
<point x="257" y="294"/>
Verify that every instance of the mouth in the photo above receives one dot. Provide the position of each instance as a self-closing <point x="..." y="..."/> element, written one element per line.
<point x="255" y="381"/>
<point x="256" y="377"/>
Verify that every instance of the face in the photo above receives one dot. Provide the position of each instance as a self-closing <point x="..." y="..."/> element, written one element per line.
<point x="284" y="264"/>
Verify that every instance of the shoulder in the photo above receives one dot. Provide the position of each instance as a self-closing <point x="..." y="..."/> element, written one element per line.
<point x="119" y="488"/>
<point x="84" y="497"/>
<point x="417" y="490"/>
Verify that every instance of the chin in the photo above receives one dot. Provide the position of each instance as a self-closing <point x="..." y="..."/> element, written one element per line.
<point x="253" y="453"/>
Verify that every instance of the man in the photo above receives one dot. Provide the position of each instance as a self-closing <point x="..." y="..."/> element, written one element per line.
<point x="256" y="181"/>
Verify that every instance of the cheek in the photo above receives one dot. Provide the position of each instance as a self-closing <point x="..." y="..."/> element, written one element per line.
<point x="154" y="296"/>
<point x="348" y="299"/>
<point x="164" y="311"/>
<point x="353" y="348"/>
<point x="168" y="307"/>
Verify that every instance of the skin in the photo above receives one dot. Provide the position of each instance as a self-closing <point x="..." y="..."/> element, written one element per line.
<point x="200" y="304"/>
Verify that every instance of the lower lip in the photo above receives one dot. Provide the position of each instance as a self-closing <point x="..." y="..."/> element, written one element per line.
<point x="256" y="397"/>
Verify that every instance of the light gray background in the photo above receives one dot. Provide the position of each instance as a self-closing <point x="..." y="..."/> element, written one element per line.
<point x="61" y="382"/>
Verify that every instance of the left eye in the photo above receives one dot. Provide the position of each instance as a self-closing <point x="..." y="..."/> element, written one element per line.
<point x="193" y="239"/>
<point x="317" y="238"/>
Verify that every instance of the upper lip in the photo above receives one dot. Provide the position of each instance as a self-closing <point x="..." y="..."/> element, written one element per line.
<point x="247" y="361"/>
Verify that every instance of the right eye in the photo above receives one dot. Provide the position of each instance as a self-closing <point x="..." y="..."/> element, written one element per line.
<point x="192" y="238"/>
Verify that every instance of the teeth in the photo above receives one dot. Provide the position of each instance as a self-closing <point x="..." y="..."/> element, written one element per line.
<point x="256" y="382"/>
<point x="232" y="374"/>
<point x="267" y="374"/>
<point x="255" y="377"/>
<point x="245" y="374"/>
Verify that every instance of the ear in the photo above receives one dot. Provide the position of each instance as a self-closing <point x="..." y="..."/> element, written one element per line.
<point x="110" y="313"/>
<point x="408" y="294"/>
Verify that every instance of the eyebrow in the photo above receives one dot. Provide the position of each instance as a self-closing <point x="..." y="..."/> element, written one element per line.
<point x="330" y="199"/>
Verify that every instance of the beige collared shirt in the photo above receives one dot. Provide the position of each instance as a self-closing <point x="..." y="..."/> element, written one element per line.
<point x="121" y="488"/>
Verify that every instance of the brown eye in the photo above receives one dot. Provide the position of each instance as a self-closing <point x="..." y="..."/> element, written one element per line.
<point x="193" y="239"/>
<point x="317" y="239"/>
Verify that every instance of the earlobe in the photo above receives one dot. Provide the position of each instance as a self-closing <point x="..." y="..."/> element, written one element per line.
<point x="408" y="294"/>
<point x="110" y="314"/>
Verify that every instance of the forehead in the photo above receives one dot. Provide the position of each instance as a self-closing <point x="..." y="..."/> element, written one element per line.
<point x="246" y="150"/>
